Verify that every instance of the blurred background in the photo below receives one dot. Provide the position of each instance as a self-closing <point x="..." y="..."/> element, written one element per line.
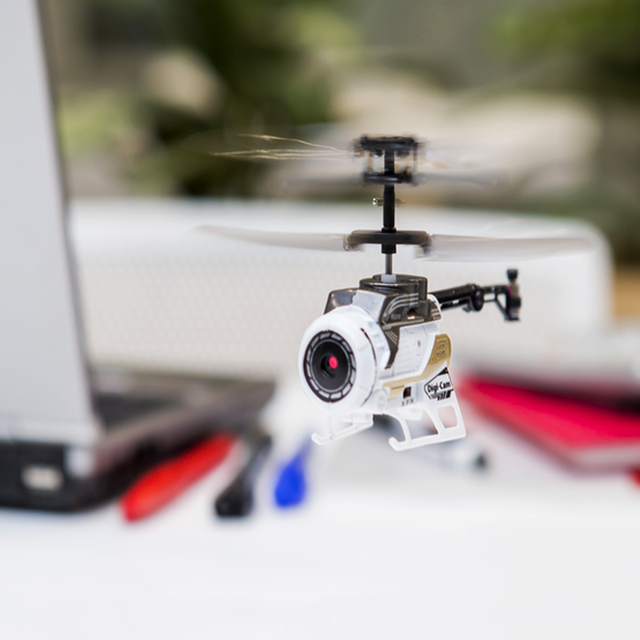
<point x="548" y="92"/>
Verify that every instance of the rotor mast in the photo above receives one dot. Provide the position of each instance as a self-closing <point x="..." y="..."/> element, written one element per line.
<point x="389" y="209"/>
<point x="389" y="148"/>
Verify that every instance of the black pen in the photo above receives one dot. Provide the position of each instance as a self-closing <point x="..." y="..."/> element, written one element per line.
<point x="237" y="499"/>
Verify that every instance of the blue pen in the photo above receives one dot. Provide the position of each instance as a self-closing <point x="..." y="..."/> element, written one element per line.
<point x="291" y="486"/>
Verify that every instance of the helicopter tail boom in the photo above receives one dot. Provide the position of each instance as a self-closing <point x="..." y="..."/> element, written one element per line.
<point x="471" y="297"/>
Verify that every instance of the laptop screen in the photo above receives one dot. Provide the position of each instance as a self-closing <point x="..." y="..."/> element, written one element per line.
<point x="44" y="387"/>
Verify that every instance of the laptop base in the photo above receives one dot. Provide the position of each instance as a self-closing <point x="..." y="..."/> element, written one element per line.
<point x="142" y="429"/>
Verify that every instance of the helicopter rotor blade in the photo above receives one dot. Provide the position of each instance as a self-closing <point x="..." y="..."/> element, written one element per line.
<point x="225" y="143"/>
<point x="447" y="248"/>
<point x="259" y="147"/>
<point x="449" y="154"/>
<point x="438" y="248"/>
<point x="487" y="178"/>
<point x="315" y="241"/>
<point x="280" y="154"/>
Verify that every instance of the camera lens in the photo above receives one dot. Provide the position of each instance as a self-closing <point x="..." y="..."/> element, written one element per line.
<point x="329" y="366"/>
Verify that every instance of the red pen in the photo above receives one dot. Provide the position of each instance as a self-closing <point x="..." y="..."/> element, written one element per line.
<point x="167" y="481"/>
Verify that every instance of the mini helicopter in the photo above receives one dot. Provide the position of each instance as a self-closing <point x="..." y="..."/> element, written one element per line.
<point x="378" y="348"/>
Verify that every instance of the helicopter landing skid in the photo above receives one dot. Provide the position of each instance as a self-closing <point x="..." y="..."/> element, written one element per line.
<point x="443" y="433"/>
<point x="338" y="434"/>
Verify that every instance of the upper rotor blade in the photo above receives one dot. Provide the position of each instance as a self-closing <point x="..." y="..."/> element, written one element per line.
<point x="317" y="241"/>
<point x="279" y="154"/>
<point x="491" y="178"/>
<point x="445" y="248"/>
<point x="259" y="147"/>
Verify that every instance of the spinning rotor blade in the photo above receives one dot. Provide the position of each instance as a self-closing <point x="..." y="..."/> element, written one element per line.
<point x="480" y="178"/>
<point x="445" y="248"/>
<point x="316" y="241"/>
<point x="449" y="154"/>
<point x="253" y="146"/>
<point x="258" y="147"/>
<point x="439" y="247"/>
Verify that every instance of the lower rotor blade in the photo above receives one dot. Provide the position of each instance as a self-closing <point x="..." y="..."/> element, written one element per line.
<point x="316" y="241"/>
<point x="445" y="248"/>
<point x="493" y="178"/>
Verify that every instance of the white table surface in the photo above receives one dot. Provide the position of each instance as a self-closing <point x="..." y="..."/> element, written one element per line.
<point x="387" y="546"/>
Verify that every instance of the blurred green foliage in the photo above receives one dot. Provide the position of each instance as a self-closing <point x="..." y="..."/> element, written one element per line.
<point x="266" y="57"/>
<point x="592" y="48"/>
<point x="603" y="37"/>
<point x="255" y="48"/>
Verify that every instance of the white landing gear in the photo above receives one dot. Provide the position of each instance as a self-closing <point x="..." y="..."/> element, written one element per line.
<point x="358" y="423"/>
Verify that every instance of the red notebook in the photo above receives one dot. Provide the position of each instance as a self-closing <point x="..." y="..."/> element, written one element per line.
<point x="581" y="433"/>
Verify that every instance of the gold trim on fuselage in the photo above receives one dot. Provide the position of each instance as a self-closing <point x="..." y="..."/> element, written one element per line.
<point x="441" y="353"/>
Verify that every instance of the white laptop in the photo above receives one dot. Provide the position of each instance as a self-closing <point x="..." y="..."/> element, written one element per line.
<point x="67" y="438"/>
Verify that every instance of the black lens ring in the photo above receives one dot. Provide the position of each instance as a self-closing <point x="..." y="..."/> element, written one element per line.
<point x="321" y="347"/>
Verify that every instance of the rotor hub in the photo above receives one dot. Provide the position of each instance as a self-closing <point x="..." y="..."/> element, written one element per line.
<point x="402" y="284"/>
